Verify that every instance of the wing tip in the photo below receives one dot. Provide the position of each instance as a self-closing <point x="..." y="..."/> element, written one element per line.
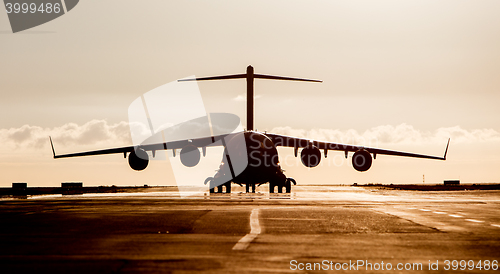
<point x="52" y="145"/>
<point x="446" y="150"/>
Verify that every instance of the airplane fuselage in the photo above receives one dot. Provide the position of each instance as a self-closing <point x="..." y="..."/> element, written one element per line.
<point x="258" y="153"/>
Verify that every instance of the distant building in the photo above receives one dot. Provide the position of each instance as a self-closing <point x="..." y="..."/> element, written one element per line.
<point x="72" y="188"/>
<point x="19" y="185"/>
<point x="20" y="190"/>
<point x="451" y="182"/>
<point x="72" y="184"/>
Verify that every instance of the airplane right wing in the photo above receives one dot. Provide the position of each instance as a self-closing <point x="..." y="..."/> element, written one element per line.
<point x="288" y="141"/>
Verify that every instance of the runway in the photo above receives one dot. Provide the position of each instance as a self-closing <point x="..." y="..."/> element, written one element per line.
<point x="316" y="226"/>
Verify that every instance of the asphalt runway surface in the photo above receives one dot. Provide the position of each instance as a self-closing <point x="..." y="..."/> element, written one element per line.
<point x="316" y="228"/>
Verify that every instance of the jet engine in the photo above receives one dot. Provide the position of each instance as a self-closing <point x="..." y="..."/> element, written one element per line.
<point x="138" y="159"/>
<point x="190" y="156"/>
<point x="310" y="156"/>
<point x="361" y="160"/>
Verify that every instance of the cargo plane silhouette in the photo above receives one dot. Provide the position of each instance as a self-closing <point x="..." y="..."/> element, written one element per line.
<point x="257" y="150"/>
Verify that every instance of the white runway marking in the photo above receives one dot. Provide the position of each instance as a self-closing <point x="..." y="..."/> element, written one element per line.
<point x="475" y="221"/>
<point x="423" y="209"/>
<point x="439" y="212"/>
<point x="456" y="216"/>
<point x="495" y="225"/>
<point x="244" y="242"/>
<point x="296" y="219"/>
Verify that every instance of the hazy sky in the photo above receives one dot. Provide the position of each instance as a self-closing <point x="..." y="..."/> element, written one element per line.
<point x="404" y="74"/>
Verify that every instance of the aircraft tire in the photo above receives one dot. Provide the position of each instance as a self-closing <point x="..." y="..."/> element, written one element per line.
<point x="271" y="187"/>
<point x="228" y="187"/>
<point x="212" y="186"/>
<point x="288" y="186"/>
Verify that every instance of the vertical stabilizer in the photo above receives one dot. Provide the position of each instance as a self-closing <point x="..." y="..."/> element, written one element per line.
<point x="249" y="76"/>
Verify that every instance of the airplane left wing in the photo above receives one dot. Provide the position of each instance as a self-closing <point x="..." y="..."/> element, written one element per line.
<point x="199" y="142"/>
<point x="287" y="141"/>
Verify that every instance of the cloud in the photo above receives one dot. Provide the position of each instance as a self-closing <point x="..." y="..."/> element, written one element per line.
<point x="388" y="134"/>
<point x="243" y="98"/>
<point x="93" y="132"/>
<point x="100" y="132"/>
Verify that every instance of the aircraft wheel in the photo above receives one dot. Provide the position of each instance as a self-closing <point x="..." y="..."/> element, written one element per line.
<point x="271" y="187"/>
<point x="212" y="186"/>
<point x="219" y="189"/>
<point x="280" y="188"/>
<point x="228" y="187"/>
<point x="288" y="186"/>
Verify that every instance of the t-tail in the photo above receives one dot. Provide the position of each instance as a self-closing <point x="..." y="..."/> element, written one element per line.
<point x="250" y="76"/>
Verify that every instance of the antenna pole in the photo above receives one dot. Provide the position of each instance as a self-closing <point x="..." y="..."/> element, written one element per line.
<point x="250" y="77"/>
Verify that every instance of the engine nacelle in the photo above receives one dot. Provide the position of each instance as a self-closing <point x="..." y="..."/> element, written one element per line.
<point x="361" y="160"/>
<point x="138" y="159"/>
<point x="190" y="156"/>
<point x="310" y="156"/>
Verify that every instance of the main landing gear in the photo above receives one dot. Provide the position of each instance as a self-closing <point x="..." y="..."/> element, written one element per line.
<point x="279" y="182"/>
<point x="213" y="186"/>
<point x="287" y="184"/>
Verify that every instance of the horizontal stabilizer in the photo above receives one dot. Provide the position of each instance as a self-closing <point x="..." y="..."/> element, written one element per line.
<point x="272" y="77"/>
<point x="222" y="77"/>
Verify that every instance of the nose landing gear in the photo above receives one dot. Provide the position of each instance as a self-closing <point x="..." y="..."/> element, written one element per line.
<point x="248" y="188"/>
